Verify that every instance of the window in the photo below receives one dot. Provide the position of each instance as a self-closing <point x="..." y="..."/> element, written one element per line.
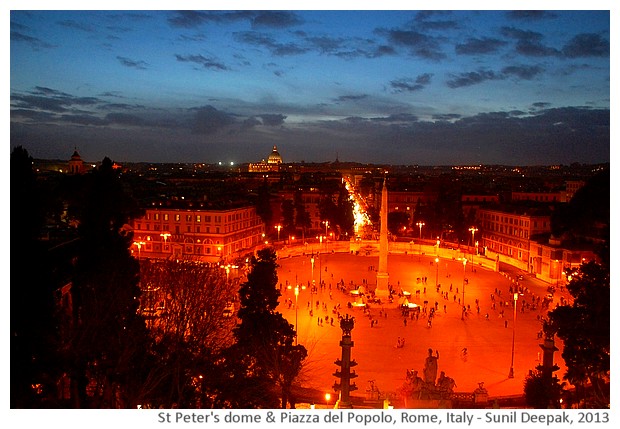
<point x="165" y="216"/>
<point x="188" y="218"/>
<point x="177" y="217"/>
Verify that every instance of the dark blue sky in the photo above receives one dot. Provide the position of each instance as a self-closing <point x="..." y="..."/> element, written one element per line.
<point x="399" y="87"/>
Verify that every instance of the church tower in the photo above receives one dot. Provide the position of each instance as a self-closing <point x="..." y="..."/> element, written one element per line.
<point x="76" y="165"/>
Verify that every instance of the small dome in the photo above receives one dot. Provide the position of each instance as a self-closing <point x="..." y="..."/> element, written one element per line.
<point x="274" y="157"/>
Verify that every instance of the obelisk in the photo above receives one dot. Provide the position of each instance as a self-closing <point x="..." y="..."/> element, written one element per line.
<point x="382" y="289"/>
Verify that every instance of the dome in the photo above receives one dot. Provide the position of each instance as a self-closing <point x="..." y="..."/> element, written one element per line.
<point x="274" y="157"/>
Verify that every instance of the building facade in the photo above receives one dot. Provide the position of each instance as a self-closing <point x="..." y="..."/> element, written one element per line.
<point x="205" y="235"/>
<point x="507" y="234"/>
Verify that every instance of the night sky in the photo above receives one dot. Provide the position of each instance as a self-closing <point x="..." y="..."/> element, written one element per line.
<point x="398" y="87"/>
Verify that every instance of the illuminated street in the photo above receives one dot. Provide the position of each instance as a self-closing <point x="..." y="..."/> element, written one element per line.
<point x="488" y="342"/>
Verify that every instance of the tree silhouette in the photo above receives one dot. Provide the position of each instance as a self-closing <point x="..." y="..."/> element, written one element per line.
<point x="265" y="356"/>
<point x="108" y="343"/>
<point x="34" y="341"/>
<point x="584" y="327"/>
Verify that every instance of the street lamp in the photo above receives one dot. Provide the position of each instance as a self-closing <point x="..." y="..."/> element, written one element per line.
<point x="278" y="227"/>
<point x="165" y="236"/>
<point x="463" y="312"/>
<point x="511" y="373"/>
<point x="296" y="306"/>
<point x="473" y="230"/>
<point x="326" y="225"/>
<point x="436" y="271"/>
<point x="327" y="398"/>
<point x="420" y="224"/>
<point x="139" y="244"/>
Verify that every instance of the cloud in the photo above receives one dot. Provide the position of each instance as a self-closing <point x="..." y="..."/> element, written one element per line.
<point x="472" y="78"/>
<point x="137" y="64"/>
<point x="124" y="119"/>
<point x="346" y="98"/>
<point x="423" y="21"/>
<point x="530" y="15"/>
<point x="34" y="42"/>
<point x="76" y="26"/>
<point x="276" y="19"/>
<point x="411" y="85"/>
<point x="586" y="45"/>
<point x="475" y="46"/>
<point x="529" y="43"/>
<point x="43" y="98"/>
<point x="272" y="120"/>
<point x="193" y="19"/>
<point x="446" y="117"/>
<point x="207" y="63"/>
<point x="522" y="72"/>
<point x="397" y="117"/>
<point x="208" y="120"/>
<point x="263" y="40"/>
<point x="418" y="44"/>
<point x="257" y="19"/>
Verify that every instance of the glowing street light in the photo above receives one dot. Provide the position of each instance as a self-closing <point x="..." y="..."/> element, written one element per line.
<point x="420" y="224"/>
<point x="327" y="398"/>
<point x="463" y="312"/>
<point x="511" y="373"/>
<point x="278" y="227"/>
<point x="296" y="306"/>
<point x="139" y="244"/>
<point x="436" y="271"/>
<point x="473" y="230"/>
<point x="165" y="236"/>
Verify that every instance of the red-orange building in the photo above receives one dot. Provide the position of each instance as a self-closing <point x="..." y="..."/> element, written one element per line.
<point x="205" y="235"/>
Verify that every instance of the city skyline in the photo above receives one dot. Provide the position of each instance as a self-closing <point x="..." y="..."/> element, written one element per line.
<point x="394" y="87"/>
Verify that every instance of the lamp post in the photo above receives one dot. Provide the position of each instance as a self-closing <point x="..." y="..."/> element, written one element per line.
<point x="511" y="373"/>
<point x="463" y="312"/>
<point x="436" y="271"/>
<point x="165" y="236"/>
<point x="326" y="225"/>
<point x="473" y="230"/>
<point x="296" y="308"/>
<point x="139" y="244"/>
<point x="420" y="224"/>
<point x="278" y="227"/>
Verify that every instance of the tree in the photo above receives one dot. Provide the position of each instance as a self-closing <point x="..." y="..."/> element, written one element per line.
<point x="584" y="327"/>
<point x="185" y="303"/>
<point x="540" y="392"/>
<point x="34" y="339"/>
<point x="345" y="219"/>
<point x="264" y="356"/>
<point x="109" y="339"/>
